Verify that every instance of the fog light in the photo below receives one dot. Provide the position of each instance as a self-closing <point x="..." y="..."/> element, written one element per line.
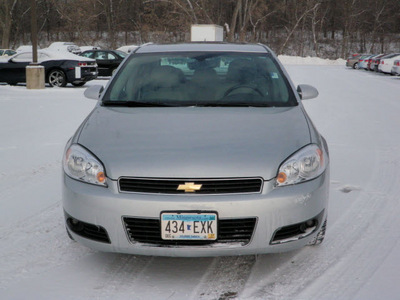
<point x="311" y="223"/>
<point x="75" y="225"/>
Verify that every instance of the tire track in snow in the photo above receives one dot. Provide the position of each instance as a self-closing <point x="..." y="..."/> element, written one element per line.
<point x="225" y="278"/>
<point x="118" y="276"/>
<point x="342" y="264"/>
<point x="36" y="245"/>
<point x="380" y="219"/>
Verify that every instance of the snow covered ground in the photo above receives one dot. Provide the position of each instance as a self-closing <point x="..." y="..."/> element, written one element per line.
<point x="358" y="113"/>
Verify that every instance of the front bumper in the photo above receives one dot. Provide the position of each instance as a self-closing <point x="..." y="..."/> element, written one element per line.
<point x="273" y="209"/>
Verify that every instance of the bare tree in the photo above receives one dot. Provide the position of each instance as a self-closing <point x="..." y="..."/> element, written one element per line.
<point x="241" y="18"/>
<point x="301" y="10"/>
<point x="7" y="14"/>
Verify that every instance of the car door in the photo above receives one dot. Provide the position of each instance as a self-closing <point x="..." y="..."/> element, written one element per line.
<point x="88" y="54"/>
<point x="106" y="62"/>
<point x="13" y="71"/>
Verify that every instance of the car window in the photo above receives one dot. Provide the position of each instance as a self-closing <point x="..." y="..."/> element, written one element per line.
<point x="88" y="54"/>
<point x="42" y="57"/>
<point x="23" y="57"/>
<point x="111" y="56"/>
<point x="101" y="55"/>
<point x="10" y="52"/>
<point x="120" y="53"/>
<point x="212" y="79"/>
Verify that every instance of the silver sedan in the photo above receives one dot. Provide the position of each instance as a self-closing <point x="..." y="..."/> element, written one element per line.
<point x="199" y="149"/>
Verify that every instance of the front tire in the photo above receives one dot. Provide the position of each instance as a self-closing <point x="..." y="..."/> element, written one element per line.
<point x="57" y="78"/>
<point x="78" y="83"/>
<point x="355" y="66"/>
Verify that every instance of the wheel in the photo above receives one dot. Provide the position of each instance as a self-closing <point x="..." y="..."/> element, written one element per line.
<point x="57" y="78"/>
<point x="78" y="83"/>
<point x="243" y="86"/>
<point x="319" y="238"/>
<point x="355" y="66"/>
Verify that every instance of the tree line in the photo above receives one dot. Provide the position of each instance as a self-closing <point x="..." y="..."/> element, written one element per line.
<point x="327" y="28"/>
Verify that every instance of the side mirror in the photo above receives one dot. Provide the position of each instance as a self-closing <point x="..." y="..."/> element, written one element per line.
<point x="307" y="91"/>
<point x="94" y="92"/>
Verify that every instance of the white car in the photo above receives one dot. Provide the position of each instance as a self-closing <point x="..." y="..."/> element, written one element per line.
<point x="127" y="49"/>
<point x="25" y="48"/>
<point x="65" y="47"/>
<point x="386" y="63"/>
<point x="396" y="67"/>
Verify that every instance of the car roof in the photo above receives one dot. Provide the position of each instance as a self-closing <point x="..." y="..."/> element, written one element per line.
<point x="98" y="50"/>
<point x="55" y="55"/>
<point x="206" y="46"/>
<point x="61" y="44"/>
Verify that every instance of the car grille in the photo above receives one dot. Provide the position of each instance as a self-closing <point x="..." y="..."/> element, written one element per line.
<point x="148" y="231"/>
<point x="208" y="186"/>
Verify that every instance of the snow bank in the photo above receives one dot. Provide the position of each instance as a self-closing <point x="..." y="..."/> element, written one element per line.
<point x="297" y="60"/>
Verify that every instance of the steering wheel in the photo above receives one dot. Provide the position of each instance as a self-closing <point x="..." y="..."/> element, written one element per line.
<point x="243" y="86"/>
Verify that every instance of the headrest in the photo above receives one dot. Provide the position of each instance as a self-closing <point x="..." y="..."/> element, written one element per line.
<point x="241" y="71"/>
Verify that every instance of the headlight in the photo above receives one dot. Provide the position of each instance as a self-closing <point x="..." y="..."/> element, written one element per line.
<point x="306" y="164"/>
<point x="79" y="164"/>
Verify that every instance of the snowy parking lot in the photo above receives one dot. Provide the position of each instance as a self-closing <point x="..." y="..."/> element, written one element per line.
<point x="357" y="112"/>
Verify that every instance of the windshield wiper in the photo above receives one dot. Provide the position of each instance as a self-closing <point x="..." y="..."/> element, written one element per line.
<point x="233" y="104"/>
<point x="136" y="104"/>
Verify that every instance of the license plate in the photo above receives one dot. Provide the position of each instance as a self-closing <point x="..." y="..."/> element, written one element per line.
<point x="188" y="226"/>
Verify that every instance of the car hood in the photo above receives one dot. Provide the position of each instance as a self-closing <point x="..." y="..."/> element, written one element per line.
<point x="194" y="142"/>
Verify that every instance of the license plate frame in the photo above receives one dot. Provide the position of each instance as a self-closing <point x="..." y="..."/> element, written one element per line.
<point x="189" y="225"/>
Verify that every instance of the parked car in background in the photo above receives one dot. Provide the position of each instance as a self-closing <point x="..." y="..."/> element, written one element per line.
<point x="378" y="62"/>
<point x="86" y="48"/>
<point x="352" y="61"/>
<point x="7" y="52"/>
<point x="396" y="68"/>
<point x="64" y="47"/>
<point x="60" y="69"/>
<point x="107" y="60"/>
<point x="386" y="62"/>
<point x="373" y="64"/>
<point x="25" y="48"/>
<point x="128" y="49"/>
<point x="200" y="149"/>
<point x="363" y="61"/>
<point x="370" y="61"/>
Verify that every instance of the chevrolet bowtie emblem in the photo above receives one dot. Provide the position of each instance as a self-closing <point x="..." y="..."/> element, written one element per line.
<point x="189" y="187"/>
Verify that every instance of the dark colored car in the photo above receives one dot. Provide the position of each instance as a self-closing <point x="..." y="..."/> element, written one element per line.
<point x="60" y="68"/>
<point x="107" y="60"/>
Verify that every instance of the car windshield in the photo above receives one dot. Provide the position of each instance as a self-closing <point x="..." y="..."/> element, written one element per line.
<point x="200" y="79"/>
